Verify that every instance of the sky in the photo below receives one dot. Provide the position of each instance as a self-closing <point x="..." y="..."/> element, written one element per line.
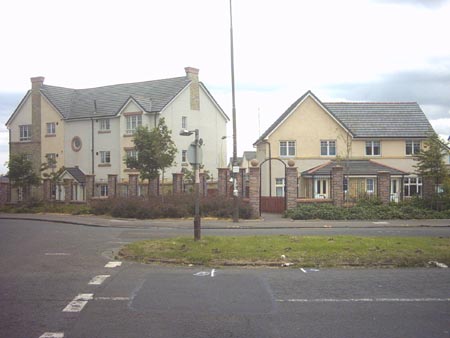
<point x="347" y="50"/>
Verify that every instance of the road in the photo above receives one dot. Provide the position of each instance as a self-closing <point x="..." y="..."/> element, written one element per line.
<point x="55" y="282"/>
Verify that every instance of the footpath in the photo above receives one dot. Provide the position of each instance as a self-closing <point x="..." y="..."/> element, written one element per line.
<point x="267" y="221"/>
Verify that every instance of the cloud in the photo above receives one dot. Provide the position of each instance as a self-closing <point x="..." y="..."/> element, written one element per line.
<point x="429" y="88"/>
<point x="423" y="3"/>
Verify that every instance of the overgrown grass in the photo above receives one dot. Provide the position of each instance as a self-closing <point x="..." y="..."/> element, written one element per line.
<point x="367" y="210"/>
<point x="304" y="251"/>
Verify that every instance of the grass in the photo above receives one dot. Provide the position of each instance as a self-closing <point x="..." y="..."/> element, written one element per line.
<point x="301" y="251"/>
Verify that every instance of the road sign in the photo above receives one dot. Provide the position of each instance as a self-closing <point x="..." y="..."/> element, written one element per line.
<point x="191" y="154"/>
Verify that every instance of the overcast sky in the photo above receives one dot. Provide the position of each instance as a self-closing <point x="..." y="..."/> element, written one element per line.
<point x="361" y="50"/>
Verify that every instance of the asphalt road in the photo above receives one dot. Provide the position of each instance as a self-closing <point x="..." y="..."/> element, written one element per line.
<point x="55" y="282"/>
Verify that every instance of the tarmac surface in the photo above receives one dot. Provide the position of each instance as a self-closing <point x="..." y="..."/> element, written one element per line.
<point x="267" y="221"/>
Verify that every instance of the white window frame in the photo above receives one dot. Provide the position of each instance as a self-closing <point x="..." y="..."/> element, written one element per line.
<point x="327" y="145"/>
<point x="133" y="153"/>
<point x="105" y="124"/>
<point x="408" y="182"/>
<point x="51" y="156"/>
<point x="51" y="128"/>
<point x="414" y="147"/>
<point x="104" y="190"/>
<point x="25" y="132"/>
<point x="370" y="185"/>
<point x="288" y="148"/>
<point x="133" y="122"/>
<point x="372" y="145"/>
<point x="105" y="157"/>
<point x="280" y="183"/>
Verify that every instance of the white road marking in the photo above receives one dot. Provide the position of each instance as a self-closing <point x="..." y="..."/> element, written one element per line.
<point x="212" y="272"/>
<point x="52" y="335"/>
<point x="79" y="302"/>
<point x="97" y="280"/>
<point x="201" y="274"/>
<point x="112" y="298"/>
<point x="303" y="270"/>
<point x="362" y="300"/>
<point x="113" y="264"/>
<point x="57" y="254"/>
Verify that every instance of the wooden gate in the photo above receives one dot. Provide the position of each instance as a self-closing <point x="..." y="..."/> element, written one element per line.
<point x="273" y="204"/>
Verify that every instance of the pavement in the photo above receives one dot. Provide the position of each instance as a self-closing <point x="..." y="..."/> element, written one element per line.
<point x="267" y="221"/>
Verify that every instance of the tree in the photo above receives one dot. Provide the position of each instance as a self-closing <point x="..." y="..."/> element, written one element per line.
<point x="430" y="160"/>
<point x="52" y="175"/>
<point x="155" y="151"/>
<point x="21" y="173"/>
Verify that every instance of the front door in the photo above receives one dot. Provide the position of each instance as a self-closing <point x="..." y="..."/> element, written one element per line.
<point x="395" y="189"/>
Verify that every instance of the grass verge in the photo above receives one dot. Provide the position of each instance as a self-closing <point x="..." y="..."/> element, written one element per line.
<point x="300" y="251"/>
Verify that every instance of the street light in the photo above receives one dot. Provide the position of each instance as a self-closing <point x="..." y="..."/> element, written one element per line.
<point x="194" y="155"/>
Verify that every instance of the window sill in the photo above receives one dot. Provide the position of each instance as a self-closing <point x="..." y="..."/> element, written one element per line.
<point x="50" y="135"/>
<point x="104" y="131"/>
<point x="104" y="165"/>
<point x="128" y="135"/>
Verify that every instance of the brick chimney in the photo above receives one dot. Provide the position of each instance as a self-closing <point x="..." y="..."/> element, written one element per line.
<point x="192" y="74"/>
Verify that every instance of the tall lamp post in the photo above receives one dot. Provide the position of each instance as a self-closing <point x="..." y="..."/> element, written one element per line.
<point x="195" y="155"/>
<point x="235" y="166"/>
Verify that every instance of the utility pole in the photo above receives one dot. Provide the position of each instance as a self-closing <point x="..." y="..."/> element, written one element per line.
<point x="235" y="165"/>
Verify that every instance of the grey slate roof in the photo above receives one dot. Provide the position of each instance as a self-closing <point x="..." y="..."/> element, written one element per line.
<point x="77" y="174"/>
<point x="152" y="96"/>
<point x="371" y="119"/>
<point x="355" y="168"/>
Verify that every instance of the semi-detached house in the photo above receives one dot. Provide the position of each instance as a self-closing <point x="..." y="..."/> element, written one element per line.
<point x="365" y="138"/>
<point x="90" y="131"/>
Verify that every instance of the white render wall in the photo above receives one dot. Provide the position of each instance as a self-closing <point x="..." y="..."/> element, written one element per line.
<point x="210" y="122"/>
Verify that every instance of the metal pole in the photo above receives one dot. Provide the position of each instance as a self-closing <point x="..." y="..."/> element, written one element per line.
<point x="197" y="225"/>
<point x="235" y="164"/>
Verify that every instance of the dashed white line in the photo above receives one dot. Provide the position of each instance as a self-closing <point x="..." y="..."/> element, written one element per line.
<point x="97" y="280"/>
<point x="112" y="298"/>
<point x="52" y="335"/>
<point x="78" y="303"/>
<point x="213" y="271"/>
<point x="113" y="264"/>
<point x="362" y="300"/>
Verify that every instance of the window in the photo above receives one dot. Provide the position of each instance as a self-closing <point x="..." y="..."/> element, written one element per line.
<point x="105" y="157"/>
<point x="25" y="132"/>
<point x="76" y="144"/>
<point x="287" y="148"/>
<point x="104" y="190"/>
<point x="184" y="122"/>
<point x="279" y="186"/>
<point x="412" y="147"/>
<point x="373" y="148"/>
<point x="51" y="160"/>
<point x="328" y="148"/>
<point x="184" y="156"/>
<point x="412" y="186"/>
<point x="370" y="185"/>
<point x="104" y="124"/>
<point x="133" y="121"/>
<point x="51" y="128"/>
<point x="345" y="187"/>
<point x="132" y="153"/>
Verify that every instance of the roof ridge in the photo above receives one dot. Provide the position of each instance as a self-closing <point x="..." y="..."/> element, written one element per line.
<point x="370" y="102"/>
<point x="119" y="84"/>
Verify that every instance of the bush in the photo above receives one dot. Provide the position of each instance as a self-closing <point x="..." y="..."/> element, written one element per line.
<point x="367" y="210"/>
<point x="178" y="206"/>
